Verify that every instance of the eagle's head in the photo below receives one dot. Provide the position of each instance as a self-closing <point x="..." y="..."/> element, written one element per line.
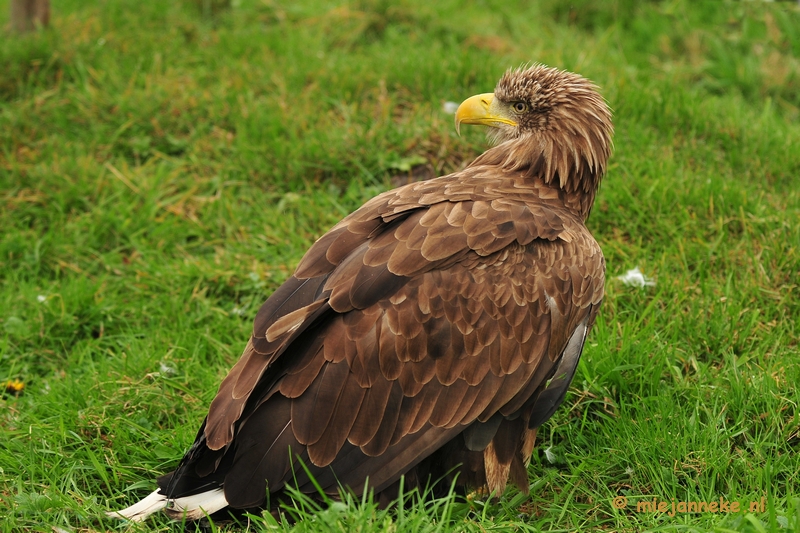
<point x="544" y="116"/>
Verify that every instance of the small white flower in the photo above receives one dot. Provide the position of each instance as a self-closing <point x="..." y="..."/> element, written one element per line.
<point x="41" y="298"/>
<point x="635" y="278"/>
<point x="167" y="370"/>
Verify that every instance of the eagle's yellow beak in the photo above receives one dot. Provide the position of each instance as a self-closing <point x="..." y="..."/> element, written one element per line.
<point x="480" y="109"/>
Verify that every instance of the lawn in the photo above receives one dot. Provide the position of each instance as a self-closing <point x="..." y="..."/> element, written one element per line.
<point x="164" y="166"/>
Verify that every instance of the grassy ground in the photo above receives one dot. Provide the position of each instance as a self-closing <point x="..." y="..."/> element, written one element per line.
<point x="163" y="168"/>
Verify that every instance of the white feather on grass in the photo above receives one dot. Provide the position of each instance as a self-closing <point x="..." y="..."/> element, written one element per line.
<point x="636" y="278"/>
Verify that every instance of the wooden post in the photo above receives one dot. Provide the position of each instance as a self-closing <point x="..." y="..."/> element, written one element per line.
<point x="27" y="15"/>
<point x="213" y="8"/>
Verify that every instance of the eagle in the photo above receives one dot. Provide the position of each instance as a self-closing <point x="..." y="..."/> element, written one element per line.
<point x="426" y="336"/>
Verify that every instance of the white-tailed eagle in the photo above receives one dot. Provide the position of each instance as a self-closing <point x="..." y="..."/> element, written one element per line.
<point x="430" y="332"/>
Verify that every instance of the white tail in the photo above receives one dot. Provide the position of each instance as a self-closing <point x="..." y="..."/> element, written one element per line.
<point x="191" y="507"/>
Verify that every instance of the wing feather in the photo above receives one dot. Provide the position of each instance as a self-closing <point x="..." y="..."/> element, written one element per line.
<point x="370" y="412"/>
<point x="313" y="411"/>
<point x="334" y="436"/>
<point x="387" y="423"/>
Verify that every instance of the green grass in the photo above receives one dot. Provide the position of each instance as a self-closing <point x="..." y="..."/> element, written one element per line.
<point x="163" y="169"/>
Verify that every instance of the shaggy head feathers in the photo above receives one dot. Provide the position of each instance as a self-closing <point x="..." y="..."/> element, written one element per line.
<point x="563" y="131"/>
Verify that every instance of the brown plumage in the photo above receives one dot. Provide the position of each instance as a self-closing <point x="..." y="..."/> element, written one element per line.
<point x="430" y="332"/>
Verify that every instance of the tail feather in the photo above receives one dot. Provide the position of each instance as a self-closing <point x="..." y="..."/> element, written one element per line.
<point x="138" y="512"/>
<point x="197" y="506"/>
<point x="191" y="507"/>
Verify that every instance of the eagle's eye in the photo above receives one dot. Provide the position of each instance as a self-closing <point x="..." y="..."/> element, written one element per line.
<point x="519" y="107"/>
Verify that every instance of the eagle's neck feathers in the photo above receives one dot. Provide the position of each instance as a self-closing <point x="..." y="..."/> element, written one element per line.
<point x="574" y="164"/>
